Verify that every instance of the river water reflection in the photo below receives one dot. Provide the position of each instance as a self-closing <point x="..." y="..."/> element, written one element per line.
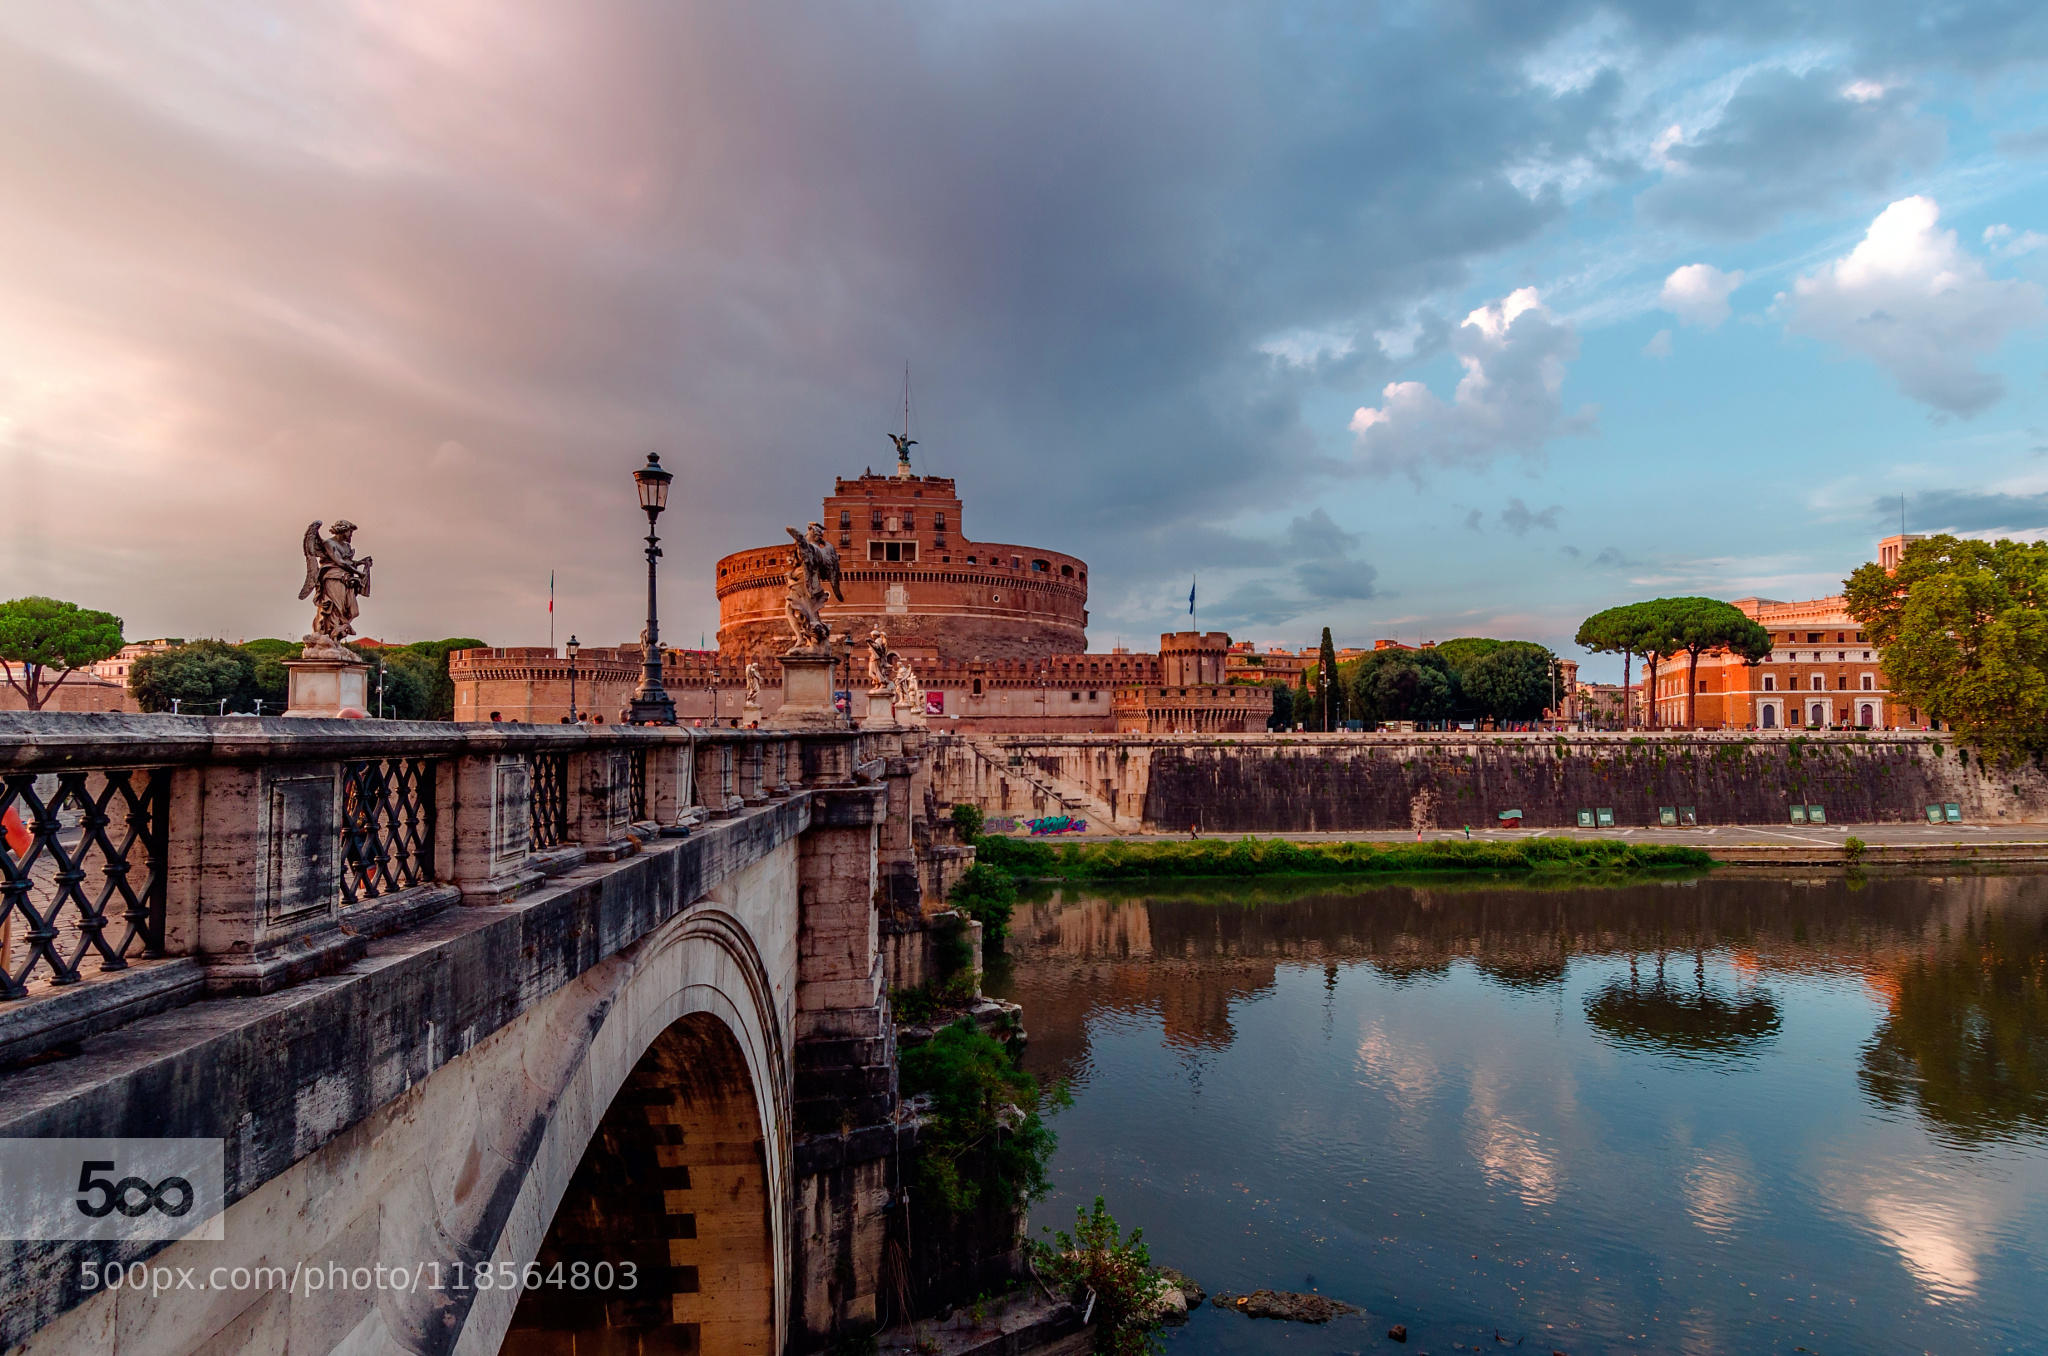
<point x="1733" y="1114"/>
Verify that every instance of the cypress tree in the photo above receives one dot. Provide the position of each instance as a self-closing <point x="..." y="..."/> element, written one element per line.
<point x="1330" y="699"/>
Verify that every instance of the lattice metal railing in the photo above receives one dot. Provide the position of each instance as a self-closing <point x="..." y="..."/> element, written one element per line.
<point x="93" y="841"/>
<point x="548" y="809"/>
<point x="387" y="826"/>
<point x="636" y="780"/>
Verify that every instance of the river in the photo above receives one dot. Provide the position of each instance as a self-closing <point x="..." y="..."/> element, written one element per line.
<point x="1730" y="1114"/>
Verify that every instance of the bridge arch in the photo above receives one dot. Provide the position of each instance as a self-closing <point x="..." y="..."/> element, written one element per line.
<point x="685" y="1080"/>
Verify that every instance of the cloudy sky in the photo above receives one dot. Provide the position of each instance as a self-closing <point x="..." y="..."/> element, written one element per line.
<point x="1412" y="319"/>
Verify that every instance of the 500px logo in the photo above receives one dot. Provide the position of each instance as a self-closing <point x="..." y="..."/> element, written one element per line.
<point x="132" y="1196"/>
<point x="79" y="1189"/>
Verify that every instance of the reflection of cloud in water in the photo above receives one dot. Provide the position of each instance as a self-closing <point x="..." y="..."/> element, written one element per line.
<point x="1937" y="1225"/>
<point x="1719" y="1194"/>
<point x="1396" y="1068"/>
<point x="1509" y="1153"/>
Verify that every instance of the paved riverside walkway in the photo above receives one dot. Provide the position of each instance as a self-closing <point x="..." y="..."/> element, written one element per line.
<point x="1747" y="843"/>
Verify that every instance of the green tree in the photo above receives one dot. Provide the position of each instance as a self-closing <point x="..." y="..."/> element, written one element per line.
<point x="198" y="674"/>
<point x="1703" y="624"/>
<point x="1965" y="636"/>
<point x="1403" y="685"/>
<point x="271" y="681"/>
<point x="1511" y="681"/>
<point x="41" y="636"/>
<point x="1465" y="651"/>
<point x="984" y="1143"/>
<point x="1329" y="695"/>
<point x="1613" y="631"/>
<point x="1096" y="1258"/>
<point x="1283" y="706"/>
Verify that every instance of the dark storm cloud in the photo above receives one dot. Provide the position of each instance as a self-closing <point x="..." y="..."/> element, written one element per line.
<point x="452" y="271"/>
<point x="1967" y="511"/>
<point x="1789" y="143"/>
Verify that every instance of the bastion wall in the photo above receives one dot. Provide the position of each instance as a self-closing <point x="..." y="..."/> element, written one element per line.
<point x="1294" y="783"/>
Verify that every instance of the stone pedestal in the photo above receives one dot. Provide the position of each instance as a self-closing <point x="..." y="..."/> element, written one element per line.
<point x="807" y="695"/>
<point x="750" y="715"/>
<point x="326" y="687"/>
<point x="881" y="709"/>
<point x="911" y="717"/>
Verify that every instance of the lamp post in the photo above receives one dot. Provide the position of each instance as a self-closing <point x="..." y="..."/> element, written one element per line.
<point x="651" y="703"/>
<point x="1326" y="702"/>
<point x="380" y="689"/>
<point x="574" y="649"/>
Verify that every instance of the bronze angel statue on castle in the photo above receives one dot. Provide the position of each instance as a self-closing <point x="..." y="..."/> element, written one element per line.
<point x="335" y="579"/>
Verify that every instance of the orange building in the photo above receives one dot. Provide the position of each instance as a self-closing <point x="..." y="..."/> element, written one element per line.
<point x="1822" y="672"/>
<point x="907" y="565"/>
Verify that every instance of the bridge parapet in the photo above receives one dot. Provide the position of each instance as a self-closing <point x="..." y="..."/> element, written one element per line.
<point x="159" y="858"/>
<point x="377" y="959"/>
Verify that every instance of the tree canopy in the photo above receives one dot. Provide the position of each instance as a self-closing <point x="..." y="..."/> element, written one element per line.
<point x="198" y="675"/>
<point x="39" y="636"/>
<point x="1965" y="636"/>
<point x="1511" y="681"/>
<point x="1403" y="685"/>
<point x="1658" y="629"/>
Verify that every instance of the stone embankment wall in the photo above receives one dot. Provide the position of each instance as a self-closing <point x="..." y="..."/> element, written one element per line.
<point x="1281" y="783"/>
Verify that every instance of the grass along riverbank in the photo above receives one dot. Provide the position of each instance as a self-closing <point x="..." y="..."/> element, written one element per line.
<point x="1028" y="859"/>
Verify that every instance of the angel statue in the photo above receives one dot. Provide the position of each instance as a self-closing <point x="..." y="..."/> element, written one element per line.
<point x="813" y="567"/>
<point x="909" y="692"/>
<point x="753" y="684"/>
<point x="880" y="656"/>
<point x="335" y="579"/>
<point x="904" y="442"/>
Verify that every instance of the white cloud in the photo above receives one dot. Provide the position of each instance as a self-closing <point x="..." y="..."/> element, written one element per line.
<point x="1864" y="91"/>
<point x="2009" y="244"/>
<point x="1659" y="345"/>
<point x="1309" y="348"/>
<point x="1514" y="352"/>
<point x="1912" y="301"/>
<point x="1698" y="294"/>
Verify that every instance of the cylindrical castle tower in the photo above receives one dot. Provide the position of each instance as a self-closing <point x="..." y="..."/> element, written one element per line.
<point x="906" y="566"/>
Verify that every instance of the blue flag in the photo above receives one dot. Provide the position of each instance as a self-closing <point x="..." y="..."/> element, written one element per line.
<point x="1191" y="597"/>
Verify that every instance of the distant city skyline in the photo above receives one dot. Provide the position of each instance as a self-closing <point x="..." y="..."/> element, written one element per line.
<point x="1469" y="321"/>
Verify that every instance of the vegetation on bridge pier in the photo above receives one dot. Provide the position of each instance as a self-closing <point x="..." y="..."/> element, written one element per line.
<point x="1245" y="857"/>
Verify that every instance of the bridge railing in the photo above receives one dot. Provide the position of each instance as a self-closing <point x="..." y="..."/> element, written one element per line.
<point x="149" y="860"/>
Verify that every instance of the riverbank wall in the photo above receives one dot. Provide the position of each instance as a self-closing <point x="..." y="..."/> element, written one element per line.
<point x="1337" y="783"/>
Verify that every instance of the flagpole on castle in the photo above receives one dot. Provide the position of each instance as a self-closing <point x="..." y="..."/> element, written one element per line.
<point x="551" y="611"/>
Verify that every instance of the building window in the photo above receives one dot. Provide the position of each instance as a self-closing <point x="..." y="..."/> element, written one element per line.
<point x="910" y="520"/>
<point x="938" y="520"/>
<point x="1040" y="566"/>
<point x="846" y="520"/>
<point x="1091" y="696"/>
<point x="972" y="561"/>
<point x="1813" y="637"/>
<point x="1866" y="654"/>
<point x="1770" y="683"/>
<point x="1869" y="683"/>
<point x="1073" y="696"/>
<point x="1841" y="655"/>
<point x="977" y="687"/>
<point x="875" y="519"/>
<point x="892" y="550"/>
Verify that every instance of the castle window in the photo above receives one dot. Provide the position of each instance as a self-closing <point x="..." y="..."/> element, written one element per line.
<point x="977" y="687"/>
<point x="846" y="520"/>
<point x="938" y="520"/>
<point x="875" y="519"/>
<point x="1016" y="562"/>
<point x="910" y="520"/>
<point x="1091" y="696"/>
<point x="1073" y="696"/>
<point x="1040" y="566"/>
<point x="1067" y="570"/>
<point x="972" y="561"/>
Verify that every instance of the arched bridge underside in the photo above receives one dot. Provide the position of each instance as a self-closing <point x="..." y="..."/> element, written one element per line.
<point x="604" y="1070"/>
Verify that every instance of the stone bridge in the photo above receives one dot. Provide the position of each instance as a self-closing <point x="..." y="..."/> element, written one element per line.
<point x="463" y="998"/>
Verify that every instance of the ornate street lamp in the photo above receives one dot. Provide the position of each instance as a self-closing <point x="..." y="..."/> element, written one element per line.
<point x="651" y="703"/>
<point x="574" y="650"/>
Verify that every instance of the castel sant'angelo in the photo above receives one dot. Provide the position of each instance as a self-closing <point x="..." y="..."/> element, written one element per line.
<point x="997" y="634"/>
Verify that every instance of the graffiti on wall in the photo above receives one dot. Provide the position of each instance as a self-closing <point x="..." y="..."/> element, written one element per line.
<point x="1056" y="824"/>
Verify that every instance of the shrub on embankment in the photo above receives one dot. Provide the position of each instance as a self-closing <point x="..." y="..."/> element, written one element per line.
<point x="1276" y="856"/>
